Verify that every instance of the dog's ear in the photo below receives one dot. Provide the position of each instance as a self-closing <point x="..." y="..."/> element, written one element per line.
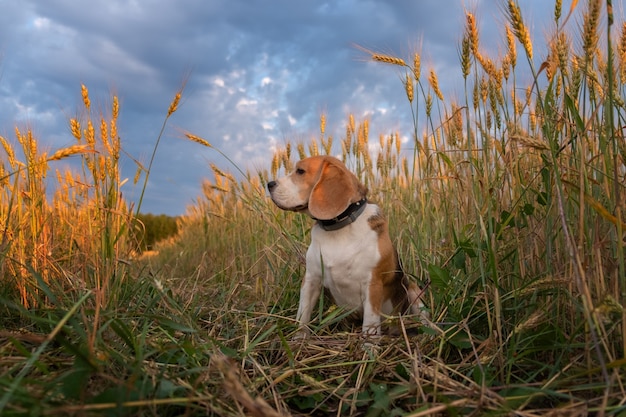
<point x="335" y="190"/>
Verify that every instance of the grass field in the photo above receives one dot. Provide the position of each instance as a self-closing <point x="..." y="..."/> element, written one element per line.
<point x="507" y="206"/>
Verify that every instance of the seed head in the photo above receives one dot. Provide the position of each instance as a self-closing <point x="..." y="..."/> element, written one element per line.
<point x="388" y="59"/>
<point x="536" y="318"/>
<point x="466" y="62"/>
<point x="104" y="134"/>
<point x="408" y="87"/>
<point x="506" y="67"/>
<point x="137" y="174"/>
<point x="361" y="142"/>
<point x="85" y="93"/>
<point x="557" y="9"/>
<point x="590" y="27"/>
<point x="510" y="41"/>
<point x="366" y="128"/>
<point x="398" y="143"/>
<point x="69" y="151"/>
<point x="75" y="128"/>
<point x="217" y="171"/>
<point x="472" y="32"/>
<point x="301" y="151"/>
<point x="114" y="137"/>
<point x="174" y="104"/>
<point x="562" y="51"/>
<point x="429" y="104"/>
<point x="115" y="108"/>
<point x="622" y="54"/>
<point x="519" y="29"/>
<point x="416" y="66"/>
<point x="90" y="134"/>
<point x="198" y="139"/>
<point x="434" y="83"/>
<point x="9" y="150"/>
<point x="327" y="145"/>
<point x="275" y="164"/>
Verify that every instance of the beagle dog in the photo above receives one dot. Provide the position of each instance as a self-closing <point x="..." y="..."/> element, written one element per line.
<point x="351" y="253"/>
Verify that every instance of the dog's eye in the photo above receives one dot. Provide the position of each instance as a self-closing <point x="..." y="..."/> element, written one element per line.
<point x="299" y="171"/>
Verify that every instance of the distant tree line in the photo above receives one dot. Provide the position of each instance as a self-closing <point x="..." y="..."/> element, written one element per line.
<point x="151" y="228"/>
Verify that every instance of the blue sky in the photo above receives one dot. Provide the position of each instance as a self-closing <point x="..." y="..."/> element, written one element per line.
<point x="258" y="73"/>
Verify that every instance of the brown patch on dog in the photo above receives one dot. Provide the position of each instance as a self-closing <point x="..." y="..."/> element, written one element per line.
<point x="336" y="188"/>
<point x="388" y="279"/>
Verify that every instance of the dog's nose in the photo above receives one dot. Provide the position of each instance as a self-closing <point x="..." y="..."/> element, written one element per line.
<point x="271" y="185"/>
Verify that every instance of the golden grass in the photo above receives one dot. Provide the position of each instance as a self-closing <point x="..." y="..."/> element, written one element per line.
<point x="78" y="230"/>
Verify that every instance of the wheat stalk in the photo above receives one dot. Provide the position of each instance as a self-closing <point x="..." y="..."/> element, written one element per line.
<point x="137" y="174"/>
<point x="9" y="150"/>
<point x="622" y="54"/>
<point x="434" y="84"/>
<point x="197" y="139"/>
<point x="519" y="29"/>
<point x="174" y="104"/>
<point x="417" y="61"/>
<point x="85" y="94"/>
<point x="75" y="129"/>
<point x="511" y="48"/>
<point x="529" y="141"/>
<point x="69" y="151"/>
<point x="90" y="135"/>
<point x="591" y="20"/>
<point x="115" y="108"/>
<point x="275" y="164"/>
<point x="301" y="151"/>
<point x="466" y="62"/>
<point x="388" y="59"/>
<point x="536" y="318"/>
<point x="472" y="33"/>
<point x="288" y="150"/>
<point x="322" y="124"/>
<point x="408" y="87"/>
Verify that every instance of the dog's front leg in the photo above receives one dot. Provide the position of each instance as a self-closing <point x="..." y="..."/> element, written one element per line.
<point x="309" y="294"/>
<point x="371" y="316"/>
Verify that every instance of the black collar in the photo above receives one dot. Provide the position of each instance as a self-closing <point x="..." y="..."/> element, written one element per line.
<point x="350" y="215"/>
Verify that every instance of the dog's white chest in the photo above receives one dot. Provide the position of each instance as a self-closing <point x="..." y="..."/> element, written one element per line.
<point x="344" y="259"/>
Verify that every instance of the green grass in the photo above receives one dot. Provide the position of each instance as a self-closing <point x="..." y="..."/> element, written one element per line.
<point x="507" y="207"/>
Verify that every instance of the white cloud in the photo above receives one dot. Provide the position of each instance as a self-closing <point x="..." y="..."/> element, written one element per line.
<point x="41" y="23"/>
<point x="245" y="104"/>
<point x="259" y="73"/>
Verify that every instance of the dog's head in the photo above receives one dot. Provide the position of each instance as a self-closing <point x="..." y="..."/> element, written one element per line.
<point x="320" y="186"/>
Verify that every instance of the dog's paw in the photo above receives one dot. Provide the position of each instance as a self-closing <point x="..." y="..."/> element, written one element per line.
<point x="424" y="319"/>
<point x="302" y="334"/>
<point x="371" y="345"/>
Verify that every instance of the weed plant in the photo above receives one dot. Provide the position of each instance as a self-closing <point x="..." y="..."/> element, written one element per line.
<point x="506" y="206"/>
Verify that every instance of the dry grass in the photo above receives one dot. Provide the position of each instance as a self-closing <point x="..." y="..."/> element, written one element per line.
<point x="509" y="202"/>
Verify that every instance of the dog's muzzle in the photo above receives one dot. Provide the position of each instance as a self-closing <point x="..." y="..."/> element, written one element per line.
<point x="271" y="186"/>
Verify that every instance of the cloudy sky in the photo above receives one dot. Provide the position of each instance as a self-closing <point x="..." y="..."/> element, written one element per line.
<point x="258" y="73"/>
